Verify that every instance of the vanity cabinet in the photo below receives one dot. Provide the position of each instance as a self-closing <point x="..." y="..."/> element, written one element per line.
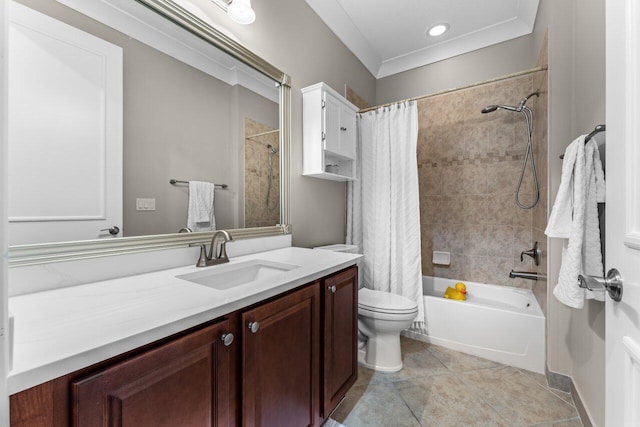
<point x="186" y="382"/>
<point x="292" y="360"/>
<point x="329" y="134"/>
<point x="340" y="337"/>
<point x="280" y="361"/>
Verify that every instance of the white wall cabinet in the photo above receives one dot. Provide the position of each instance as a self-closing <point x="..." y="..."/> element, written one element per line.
<point x="329" y="132"/>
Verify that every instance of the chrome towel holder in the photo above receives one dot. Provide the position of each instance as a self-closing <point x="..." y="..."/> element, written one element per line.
<point x="177" y="181"/>
<point x="594" y="132"/>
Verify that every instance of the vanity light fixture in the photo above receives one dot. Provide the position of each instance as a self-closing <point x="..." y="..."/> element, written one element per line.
<point x="241" y="12"/>
<point x="435" y="30"/>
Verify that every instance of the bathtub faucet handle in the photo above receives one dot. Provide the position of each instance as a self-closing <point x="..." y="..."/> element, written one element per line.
<point x="534" y="253"/>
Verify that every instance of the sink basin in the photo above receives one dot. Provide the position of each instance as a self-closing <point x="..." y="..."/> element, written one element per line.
<point x="230" y="275"/>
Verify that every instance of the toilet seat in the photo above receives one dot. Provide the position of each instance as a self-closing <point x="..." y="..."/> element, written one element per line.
<point x="372" y="302"/>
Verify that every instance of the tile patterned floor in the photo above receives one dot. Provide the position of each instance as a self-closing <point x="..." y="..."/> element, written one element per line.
<point x="440" y="387"/>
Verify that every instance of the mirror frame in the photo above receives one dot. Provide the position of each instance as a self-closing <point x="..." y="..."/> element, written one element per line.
<point x="23" y="255"/>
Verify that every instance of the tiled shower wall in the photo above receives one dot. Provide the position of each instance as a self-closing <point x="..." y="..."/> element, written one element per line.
<point x="256" y="175"/>
<point x="469" y="164"/>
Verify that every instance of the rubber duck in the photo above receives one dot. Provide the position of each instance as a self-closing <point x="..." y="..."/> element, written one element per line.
<point x="457" y="293"/>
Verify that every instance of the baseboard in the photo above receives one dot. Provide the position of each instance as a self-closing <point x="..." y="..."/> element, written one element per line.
<point x="565" y="383"/>
<point x="582" y="411"/>
<point x="559" y="381"/>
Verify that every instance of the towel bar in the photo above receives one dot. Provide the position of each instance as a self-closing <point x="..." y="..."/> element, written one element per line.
<point x="176" y="181"/>
<point x="597" y="130"/>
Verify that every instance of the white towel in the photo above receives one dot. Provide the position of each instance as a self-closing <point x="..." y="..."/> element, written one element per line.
<point x="575" y="217"/>
<point x="200" y="216"/>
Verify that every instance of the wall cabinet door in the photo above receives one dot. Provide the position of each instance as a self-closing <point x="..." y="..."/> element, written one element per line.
<point x="348" y="133"/>
<point x="280" y="361"/>
<point x="331" y="123"/>
<point x="340" y="337"/>
<point x="186" y="382"/>
<point x="339" y="127"/>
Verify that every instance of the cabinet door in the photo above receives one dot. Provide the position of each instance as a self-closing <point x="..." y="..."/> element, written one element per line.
<point x="280" y="362"/>
<point x="331" y="125"/>
<point x="348" y="132"/>
<point x="186" y="382"/>
<point x="340" y="337"/>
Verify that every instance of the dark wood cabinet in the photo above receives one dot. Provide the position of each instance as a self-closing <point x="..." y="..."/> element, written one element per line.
<point x="340" y="369"/>
<point x="281" y="361"/>
<point x="186" y="382"/>
<point x="292" y="360"/>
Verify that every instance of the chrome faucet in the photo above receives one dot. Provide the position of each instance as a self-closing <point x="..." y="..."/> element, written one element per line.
<point x="208" y="259"/>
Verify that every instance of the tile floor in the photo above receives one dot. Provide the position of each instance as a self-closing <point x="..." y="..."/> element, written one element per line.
<point x="441" y="387"/>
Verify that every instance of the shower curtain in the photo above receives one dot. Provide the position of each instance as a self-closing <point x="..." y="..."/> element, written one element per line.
<point x="383" y="205"/>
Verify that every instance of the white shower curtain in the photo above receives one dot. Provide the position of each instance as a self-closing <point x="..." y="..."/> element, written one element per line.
<point x="383" y="205"/>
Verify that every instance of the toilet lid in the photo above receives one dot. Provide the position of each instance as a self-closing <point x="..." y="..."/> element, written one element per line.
<point x="385" y="302"/>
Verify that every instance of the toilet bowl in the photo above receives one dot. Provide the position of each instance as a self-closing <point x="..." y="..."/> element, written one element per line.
<point x="381" y="318"/>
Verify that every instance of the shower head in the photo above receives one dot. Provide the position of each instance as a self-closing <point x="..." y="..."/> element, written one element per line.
<point x="519" y="108"/>
<point x="272" y="149"/>
<point x="490" y="109"/>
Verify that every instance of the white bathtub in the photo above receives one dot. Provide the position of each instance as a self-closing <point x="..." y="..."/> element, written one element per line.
<point x="499" y="323"/>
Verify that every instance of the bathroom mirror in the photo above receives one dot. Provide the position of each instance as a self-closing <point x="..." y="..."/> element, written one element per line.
<point x="194" y="105"/>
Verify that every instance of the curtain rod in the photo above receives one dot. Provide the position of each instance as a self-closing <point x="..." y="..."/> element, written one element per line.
<point x="497" y="79"/>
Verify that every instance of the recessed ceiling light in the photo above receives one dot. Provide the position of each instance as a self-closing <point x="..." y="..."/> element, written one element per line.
<point x="438" y="30"/>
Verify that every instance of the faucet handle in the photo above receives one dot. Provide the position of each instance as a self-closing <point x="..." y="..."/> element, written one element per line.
<point x="202" y="259"/>
<point x="534" y="253"/>
<point x="222" y="253"/>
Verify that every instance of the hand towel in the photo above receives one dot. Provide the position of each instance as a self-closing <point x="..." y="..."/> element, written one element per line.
<point x="575" y="217"/>
<point x="200" y="216"/>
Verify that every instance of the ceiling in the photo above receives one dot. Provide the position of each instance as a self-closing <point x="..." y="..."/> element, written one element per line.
<point x="389" y="36"/>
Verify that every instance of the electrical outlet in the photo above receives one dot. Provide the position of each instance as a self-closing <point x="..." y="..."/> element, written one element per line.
<point x="145" y="204"/>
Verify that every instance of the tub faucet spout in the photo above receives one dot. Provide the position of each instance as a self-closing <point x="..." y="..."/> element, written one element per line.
<point x="530" y="275"/>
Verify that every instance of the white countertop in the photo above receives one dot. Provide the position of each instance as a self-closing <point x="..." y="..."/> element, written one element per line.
<point x="60" y="331"/>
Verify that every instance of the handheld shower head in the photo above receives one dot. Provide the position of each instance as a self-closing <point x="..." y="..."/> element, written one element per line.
<point x="519" y="108"/>
<point x="490" y="109"/>
<point x="528" y="115"/>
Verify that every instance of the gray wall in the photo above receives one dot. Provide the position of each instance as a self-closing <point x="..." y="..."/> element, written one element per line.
<point x="292" y="37"/>
<point x="577" y="88"/>
<point x="483" y="64"/>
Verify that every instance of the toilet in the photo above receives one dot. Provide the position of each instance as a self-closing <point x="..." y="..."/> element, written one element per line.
<point x="381" y="318"/>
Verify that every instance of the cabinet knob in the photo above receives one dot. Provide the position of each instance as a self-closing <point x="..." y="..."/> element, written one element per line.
<point x="343" y="129"/>
<point x="254" y="326"/>
<point x="332" y="289"/>
<point x="227" y="339"/>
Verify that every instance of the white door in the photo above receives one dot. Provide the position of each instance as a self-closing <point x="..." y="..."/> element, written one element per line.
<point x="623" y="211"/>
<point x="64" y="129"/>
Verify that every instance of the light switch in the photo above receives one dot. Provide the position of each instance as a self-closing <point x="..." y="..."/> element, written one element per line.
<point x="145" y="204"/>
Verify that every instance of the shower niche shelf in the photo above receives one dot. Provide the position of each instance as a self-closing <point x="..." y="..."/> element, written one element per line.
<point x="329" y="134"/>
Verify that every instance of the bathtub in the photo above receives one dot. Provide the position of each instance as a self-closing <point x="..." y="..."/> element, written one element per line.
<point x="499" y="323"/>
